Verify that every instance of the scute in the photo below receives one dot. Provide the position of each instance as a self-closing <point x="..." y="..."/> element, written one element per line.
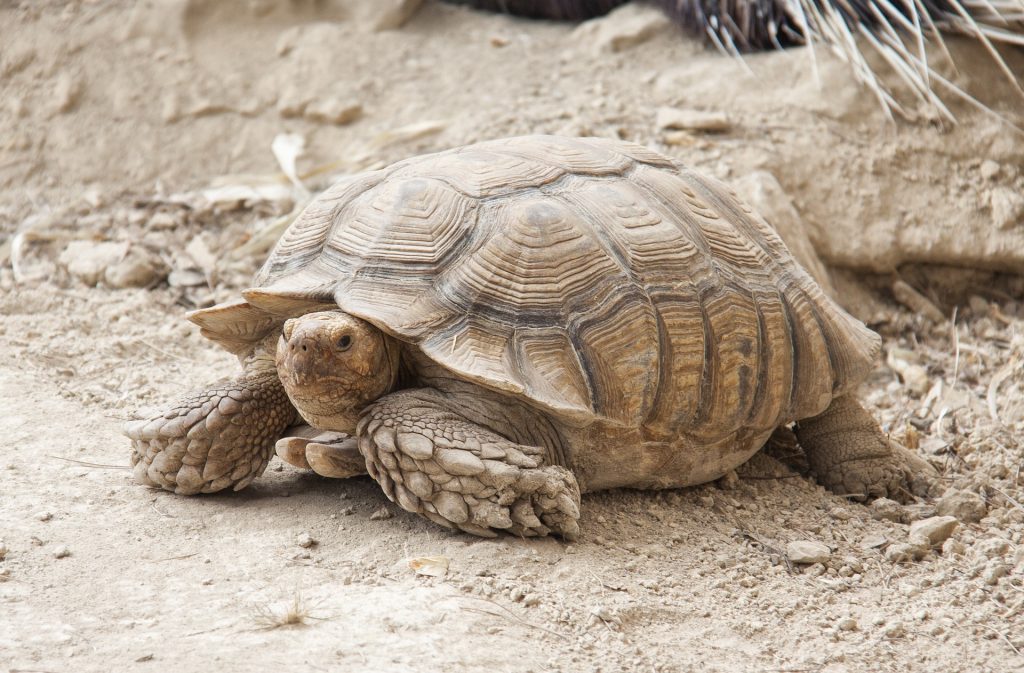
<point x="592" y="278"/>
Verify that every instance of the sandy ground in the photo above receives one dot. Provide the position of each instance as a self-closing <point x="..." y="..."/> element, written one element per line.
<point x="115" y="116"/>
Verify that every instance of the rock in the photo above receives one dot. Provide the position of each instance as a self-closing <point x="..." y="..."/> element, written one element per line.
<point x="139" y="268"/>
<point x="1007" y="206"/>
<point x="44" y="516"/>
<point x="391" y="14"/>
<point x="884" y="509"/>
<point x="873" y="541"/>
<point x="953" y="547"/>
<point x="292" y="102"/>
<point x="989" y="169"/>
<point x="67" y="91"/>
<point x="381" y="514"/>
<point x="3" y="550"/>
<point x="979" y="305"/>
<point x="935" y="530"/>
<point x="914" y="376"/>
<point x="333" y="111"/>
<point x="901" y="552"/>
<point x="88" y="260"/>
<point x="305" y="540"/>
<point x="186" y="278"/>
<point x="61" y="552"/>
<point x="993" y="572"/>
<point x="990" y="548"/>
<point x="770" y="200"/>
<point x="894" y="630"/>
<point x="847" y="624"/>
<point x="621" y="29"/>
<point x="964" y="505"/>
<point x="705" y="121"/>
<point x="807" y="551"/>
<point x="840" y="513"/>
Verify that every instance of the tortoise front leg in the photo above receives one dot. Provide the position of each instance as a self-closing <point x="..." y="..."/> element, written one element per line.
<point x="214" y="438"/>
<point x="433" y="461"/>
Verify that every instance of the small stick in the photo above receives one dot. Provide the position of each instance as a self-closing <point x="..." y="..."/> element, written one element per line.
<point x="87" y="464"/>
<point x="916" y="302"/>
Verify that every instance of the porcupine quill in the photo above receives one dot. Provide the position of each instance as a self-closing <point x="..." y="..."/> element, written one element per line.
<point x="896" y="29"/>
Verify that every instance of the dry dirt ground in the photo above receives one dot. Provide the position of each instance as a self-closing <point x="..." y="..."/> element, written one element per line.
<point x="117" y="117"/>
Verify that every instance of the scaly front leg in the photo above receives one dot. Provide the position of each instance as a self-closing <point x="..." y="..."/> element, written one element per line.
<point x="433" y="461"/>
<point x="215" y="438"/>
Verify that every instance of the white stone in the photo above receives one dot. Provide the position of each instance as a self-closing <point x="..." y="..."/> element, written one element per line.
<point x="1007" y="207"/>
<point x="807" y="551"/>
<point x="88" y="260"/>
<point x="936" y="529"/>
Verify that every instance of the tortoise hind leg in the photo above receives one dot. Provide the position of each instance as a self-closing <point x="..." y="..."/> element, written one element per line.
<point x="850" y="455"/>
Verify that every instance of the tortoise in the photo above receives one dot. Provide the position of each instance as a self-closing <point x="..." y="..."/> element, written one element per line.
<point x="492" y="330"/>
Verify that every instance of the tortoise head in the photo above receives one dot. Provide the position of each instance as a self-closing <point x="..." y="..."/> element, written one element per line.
<point x="333" y="364"/>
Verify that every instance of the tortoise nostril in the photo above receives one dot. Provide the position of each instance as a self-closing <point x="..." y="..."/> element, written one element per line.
<point x="303" y="348"/>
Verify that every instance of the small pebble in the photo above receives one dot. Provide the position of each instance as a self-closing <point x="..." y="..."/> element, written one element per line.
<point x="953" y="547"/>
<point x="44" y="516"/>
<point x="61" y="552"/>
<point x="964" y="505"/>
<point x="333" y="111"/>
<point x="936" y="529"/>
<point x="894" y="630"/>
<point x="847" y="624"/>
<point x="3" y="550"/>
<point x="381" y="514"/>
<point x="67" y="91"/>
<point x="884" y="509"/>
<point x="840" y="513"/>
<point x="901" y="552"/>
<point x="989" y="169"/>
<point x="305" y="540"/>
<point x="807" y="551"/>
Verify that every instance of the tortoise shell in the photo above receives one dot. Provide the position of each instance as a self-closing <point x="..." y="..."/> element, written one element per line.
<point x="592" y="278"/>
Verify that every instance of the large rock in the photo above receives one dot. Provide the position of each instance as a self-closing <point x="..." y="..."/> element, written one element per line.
<point x="622" y="29"/>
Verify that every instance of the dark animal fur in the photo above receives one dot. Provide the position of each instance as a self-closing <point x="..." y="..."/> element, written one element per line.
<point x="736" y="25"/>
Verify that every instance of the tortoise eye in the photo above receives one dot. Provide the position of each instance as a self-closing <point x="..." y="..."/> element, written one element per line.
<point x="344" y="343"/>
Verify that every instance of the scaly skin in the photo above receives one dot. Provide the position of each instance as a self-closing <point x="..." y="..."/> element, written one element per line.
<point x="850" y="455"/>
<point x="214" y="439"/>
<point x="433" y="461"/>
